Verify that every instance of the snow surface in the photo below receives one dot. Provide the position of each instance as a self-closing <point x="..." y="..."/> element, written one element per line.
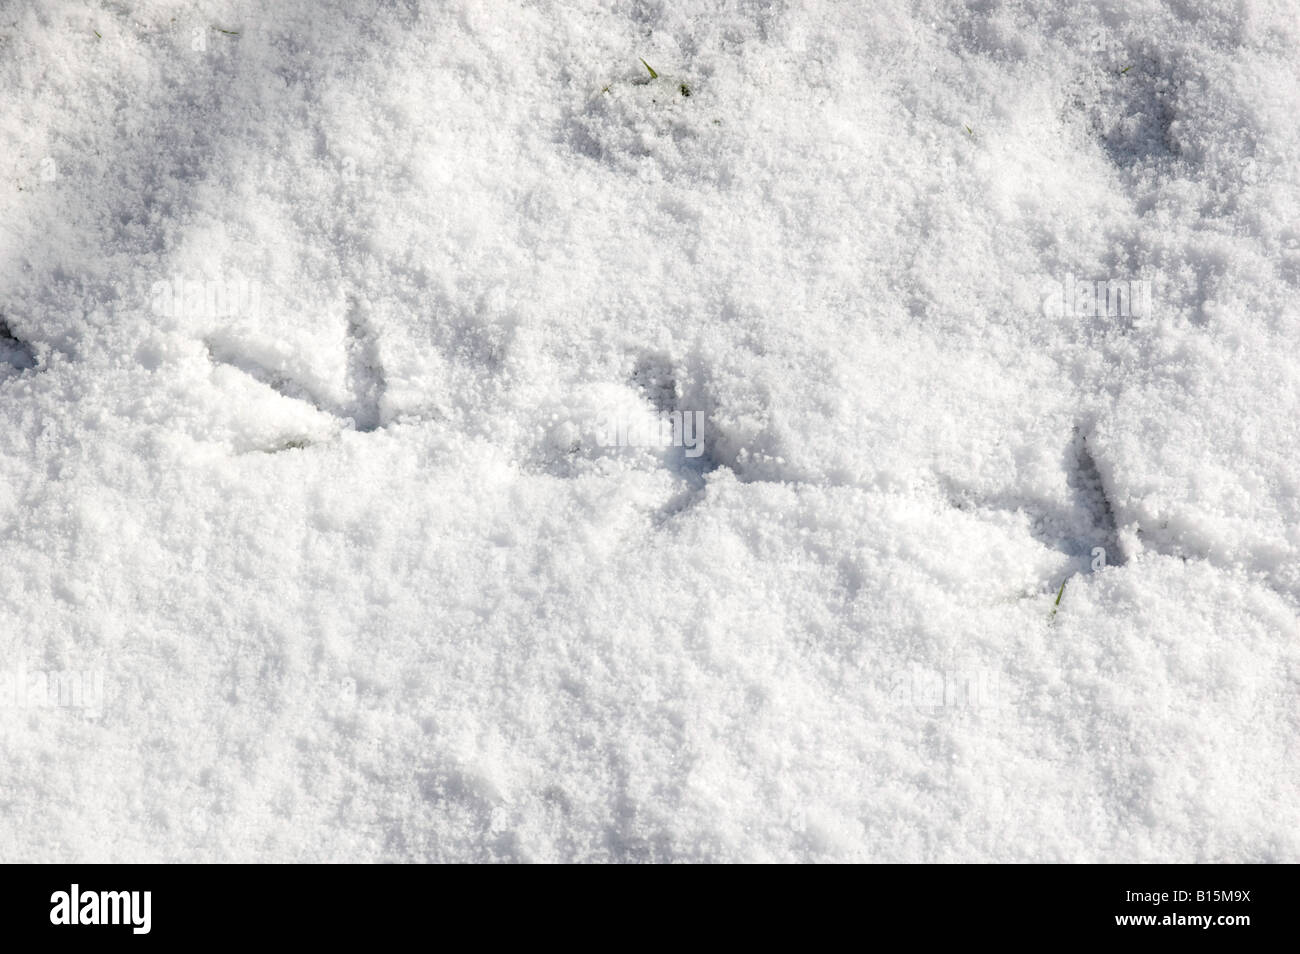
<point x="363" y="585"/>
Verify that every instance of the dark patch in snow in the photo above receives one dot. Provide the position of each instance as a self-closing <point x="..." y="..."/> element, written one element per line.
<point x="14" y="352"/>
<point x="1132" y="113"/>
<point x="653" y="376"/>
<point x="1090" y="491"/>
<point x="294" y="444"/>
<point x="365" y="373"/>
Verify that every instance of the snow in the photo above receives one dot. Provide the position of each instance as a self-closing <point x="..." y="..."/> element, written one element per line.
<point x="312" y="329"/>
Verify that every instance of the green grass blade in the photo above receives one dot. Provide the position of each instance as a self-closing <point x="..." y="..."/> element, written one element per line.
<point x="1057" y="604"/>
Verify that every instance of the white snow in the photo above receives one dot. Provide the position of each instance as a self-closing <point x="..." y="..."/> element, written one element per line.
<point x="311" y="329"/>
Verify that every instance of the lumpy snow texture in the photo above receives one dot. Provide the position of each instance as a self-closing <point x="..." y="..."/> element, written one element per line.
<point x="311" y="313"/>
